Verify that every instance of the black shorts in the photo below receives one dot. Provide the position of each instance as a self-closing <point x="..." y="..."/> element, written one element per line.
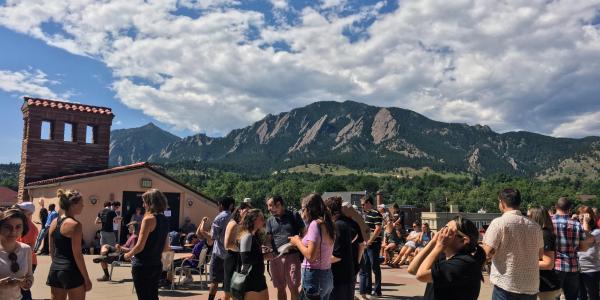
<point x="217" y="271"/>
<point x="229" y="264"/>
<point x="65" y="279"/>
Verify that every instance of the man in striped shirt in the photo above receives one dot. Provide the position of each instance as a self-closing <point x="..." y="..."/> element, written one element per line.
<point x="371" y="257"/>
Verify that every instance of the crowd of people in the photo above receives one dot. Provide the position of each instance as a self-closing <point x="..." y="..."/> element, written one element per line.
<point x="319" y="252"/>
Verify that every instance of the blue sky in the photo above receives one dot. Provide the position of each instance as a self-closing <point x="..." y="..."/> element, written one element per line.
<point x="215" y="65"/>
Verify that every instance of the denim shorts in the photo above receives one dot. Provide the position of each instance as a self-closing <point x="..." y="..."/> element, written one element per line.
<point x="315" y="281"/>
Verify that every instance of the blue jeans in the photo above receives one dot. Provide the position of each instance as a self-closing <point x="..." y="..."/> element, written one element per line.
<point x="500" y="294"/>
<point x="316" y="281"/>
<point x="370" y="263"/>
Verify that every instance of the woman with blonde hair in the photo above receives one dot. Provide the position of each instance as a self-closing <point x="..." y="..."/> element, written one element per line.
<point x="232" y="244"/>
<point x="549" y="282"/>
<point x="251" y="256"/>
<point x="391" y="240"/>
<point x="152" y="241"/>
<point x="15" y="257"/>
<point x="68" y="275"/>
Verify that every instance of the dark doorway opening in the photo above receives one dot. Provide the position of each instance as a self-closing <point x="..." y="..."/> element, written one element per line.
<point x="132" y="200"/>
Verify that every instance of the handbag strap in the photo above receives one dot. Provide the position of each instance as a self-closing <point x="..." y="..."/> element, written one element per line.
<point x="320" y="241"/>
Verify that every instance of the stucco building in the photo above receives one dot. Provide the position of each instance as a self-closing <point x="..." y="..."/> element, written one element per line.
<point x="66" y="146"/>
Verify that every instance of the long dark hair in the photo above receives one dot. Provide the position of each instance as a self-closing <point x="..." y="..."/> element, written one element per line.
<point x="315" y="209"/>
<point x="540" y="215"/>
<point x="249" y="219"/>
<point x="467" y="227"/>
<point x="237" y="214"/>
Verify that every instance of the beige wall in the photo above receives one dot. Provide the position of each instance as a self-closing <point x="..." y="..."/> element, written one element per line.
<point x="103" y="186"/>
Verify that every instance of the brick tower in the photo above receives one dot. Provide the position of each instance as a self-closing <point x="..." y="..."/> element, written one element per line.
<point x="62" y="138"/>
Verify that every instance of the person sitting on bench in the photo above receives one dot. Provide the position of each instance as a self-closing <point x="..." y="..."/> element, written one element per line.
<point x="108" y="253"/>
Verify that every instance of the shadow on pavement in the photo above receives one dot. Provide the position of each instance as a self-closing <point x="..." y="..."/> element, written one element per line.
<point x="176" y="293"/>
<point x="398" y="297"/>
<point x="392" y="284"/>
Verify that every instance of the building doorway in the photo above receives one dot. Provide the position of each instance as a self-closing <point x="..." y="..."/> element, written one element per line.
<point x="132" y="200"/>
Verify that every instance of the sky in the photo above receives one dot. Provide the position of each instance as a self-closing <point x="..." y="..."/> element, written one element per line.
<point x="211" y="66"/>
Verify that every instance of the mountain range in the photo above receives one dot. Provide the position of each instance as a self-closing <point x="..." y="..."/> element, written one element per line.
<point x="361" y="136"/>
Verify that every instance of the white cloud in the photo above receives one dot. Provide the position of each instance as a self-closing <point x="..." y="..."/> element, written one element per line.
<point x="332" y="3"/>
<point x="580" y="126"/>
<point x="279" y="4"/>
<point x="511" y="64"/>
<point x="27" y="83"/>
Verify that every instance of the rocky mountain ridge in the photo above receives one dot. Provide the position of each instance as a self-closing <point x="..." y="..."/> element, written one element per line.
<point x="361" y="136"/>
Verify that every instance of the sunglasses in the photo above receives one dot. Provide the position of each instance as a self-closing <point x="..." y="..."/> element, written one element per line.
<point x="14" y="265"/>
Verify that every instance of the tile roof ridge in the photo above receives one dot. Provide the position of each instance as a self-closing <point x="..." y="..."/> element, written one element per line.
<point x="57" y="104"/>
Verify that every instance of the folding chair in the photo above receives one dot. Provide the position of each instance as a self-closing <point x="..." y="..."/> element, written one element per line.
<point x="167" y="259"/>
<point x="118" y="263"/>
<point x="201" y="268"/>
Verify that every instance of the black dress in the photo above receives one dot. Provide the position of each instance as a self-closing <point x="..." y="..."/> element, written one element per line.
<point x="251" y="254"/>
<point x="146" y="265"/>
<point x="64" y="273"/>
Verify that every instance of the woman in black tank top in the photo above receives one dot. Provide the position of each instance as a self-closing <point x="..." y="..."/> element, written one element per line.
<point x="152" y="241"/>
<point x="68" y="275"/>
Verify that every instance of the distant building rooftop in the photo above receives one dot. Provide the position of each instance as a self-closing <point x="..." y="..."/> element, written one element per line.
<point x="8" y="197"/>
<point x="352" y="197"/>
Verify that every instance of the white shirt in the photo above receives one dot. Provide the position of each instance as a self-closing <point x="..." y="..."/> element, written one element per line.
<point x="117" y="225"/>
<point x="517" y="241"/>
<point x="23" y="252"/>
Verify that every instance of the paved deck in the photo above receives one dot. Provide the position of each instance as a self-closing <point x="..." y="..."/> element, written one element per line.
<point x="397" y="284"/>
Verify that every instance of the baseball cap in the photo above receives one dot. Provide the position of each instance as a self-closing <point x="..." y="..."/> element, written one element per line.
<point x="27" y="207"/>
<point x="190" y="236"/>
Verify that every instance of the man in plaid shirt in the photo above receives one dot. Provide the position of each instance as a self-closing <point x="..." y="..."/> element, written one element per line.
<point x="570" y="238"/>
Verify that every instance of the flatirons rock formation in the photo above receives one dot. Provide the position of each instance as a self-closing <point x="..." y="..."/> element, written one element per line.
<point x="361" y="136"/>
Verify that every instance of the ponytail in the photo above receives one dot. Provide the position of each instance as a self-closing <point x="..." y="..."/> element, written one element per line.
<point x="67" y="198"/>
<point x="329" y="225"/>
<point x="467" y="227"/>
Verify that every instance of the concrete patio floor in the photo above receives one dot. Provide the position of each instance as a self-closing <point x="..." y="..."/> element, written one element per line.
<point x="397" y="284"/>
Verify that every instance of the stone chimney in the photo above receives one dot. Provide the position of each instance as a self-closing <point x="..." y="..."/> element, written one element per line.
<point x="432" y="206"/>
<point x="62" y="138"/>
<point x="379" y="197"/>
<point x="454" y="208"/>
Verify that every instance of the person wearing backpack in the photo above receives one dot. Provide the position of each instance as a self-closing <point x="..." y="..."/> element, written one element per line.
<point x="285" y="268"/>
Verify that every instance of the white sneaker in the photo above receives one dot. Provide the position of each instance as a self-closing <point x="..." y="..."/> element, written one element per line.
<point x="188" y="280"/>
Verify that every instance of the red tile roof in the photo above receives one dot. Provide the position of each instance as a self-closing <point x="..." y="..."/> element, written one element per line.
<point x="67" y="106"/>
<point x="89" y="174"/>
<point x="119" y="169"/>
<point x="7" y="196"/>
